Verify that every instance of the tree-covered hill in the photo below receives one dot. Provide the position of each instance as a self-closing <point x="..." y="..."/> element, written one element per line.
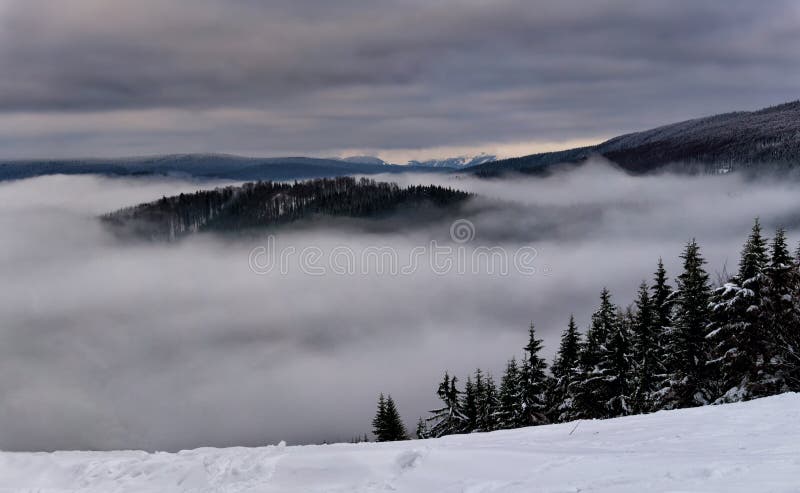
<point x="267" y="204"/>
<point x="720" y="143"/>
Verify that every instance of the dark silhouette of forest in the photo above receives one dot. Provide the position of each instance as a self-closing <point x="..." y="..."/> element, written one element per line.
<point x="265" y="204"/>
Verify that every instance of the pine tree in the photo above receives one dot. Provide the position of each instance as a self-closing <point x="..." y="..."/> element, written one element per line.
<point x="395" y="429"/>
<point x="469" y="406"/>
<point x="566" y="375"/>
<point x="738" y="336"/>
<point x="379" y="428"/>
<point x="646" y="337"/>
<point x="510" y="400"/>
<point x="616" y="366"/>
<point x="533" y="382"/>
<point x="448" y="419"/>
<point x="593" y="392"/>
<point x="387" y="426"/>
<point x="488" y="403"/>
<point x="686" y="385"/>
<point x="422" y="429"/>
<point x="782" y="315"/>
<point x="662" y="307"/>
<point x="792" y="334"/>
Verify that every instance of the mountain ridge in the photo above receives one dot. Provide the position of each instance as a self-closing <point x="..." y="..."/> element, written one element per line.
<point x="201" y="166"/>
<point x="716" y="143"/>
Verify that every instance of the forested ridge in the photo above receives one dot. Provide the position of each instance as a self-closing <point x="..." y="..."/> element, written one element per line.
<point x="744" y="140"/>
<point x="265" y="203"/>
<point x="683" y="344"/>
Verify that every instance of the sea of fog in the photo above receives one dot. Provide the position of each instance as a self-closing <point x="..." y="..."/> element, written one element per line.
<point x="106" y="344"/>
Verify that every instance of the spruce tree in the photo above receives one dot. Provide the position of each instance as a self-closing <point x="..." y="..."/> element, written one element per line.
<point x="469" y="406"/>
<point x="647" y="365"/>
<point x="782" y="315"/>
<point x="687" y="382"/>
<point x="379" y="428"/>
<point x="662" y="307"/>
<point x="395" y="429"/>
<point x="422" y="429"/>
<point x="738" y="326"/>
<point x="593" y="393"/>
<point x="448" y="419"/>
<point x="387" y="426"/>
<point x="533" y="382"/>
<point x="488" y="403"/>
<point x="566" y="375"/>
<point x="509" y="413"/>
<point x="616" y="366"/>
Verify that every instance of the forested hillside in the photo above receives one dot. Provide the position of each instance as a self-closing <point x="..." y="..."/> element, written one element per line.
<point x="689" y="344"/>
<point x="721" y="143"/>
<point x="265" y="204"/>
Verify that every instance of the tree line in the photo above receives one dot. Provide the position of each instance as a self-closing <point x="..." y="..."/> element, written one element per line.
<point x="265" y="203"/>
<point x="689" y="344"/>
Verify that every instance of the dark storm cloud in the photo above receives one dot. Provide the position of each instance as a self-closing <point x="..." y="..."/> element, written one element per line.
<point x="320" y="76"/>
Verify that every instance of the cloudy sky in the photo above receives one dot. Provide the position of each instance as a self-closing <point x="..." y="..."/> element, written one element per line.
<point x="400" y="79"/>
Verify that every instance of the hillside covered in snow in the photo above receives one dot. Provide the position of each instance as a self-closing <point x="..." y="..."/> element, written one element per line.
<point x="744" y="447"/>
<point x="719" y="143"/>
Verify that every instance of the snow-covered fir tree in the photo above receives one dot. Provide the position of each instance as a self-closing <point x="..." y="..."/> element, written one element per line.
<point x="687" y="380"/>
<point x="616" y="366"/>
<point x="662" y="307"/>
<point x="469" y="406"/>
<point x="782" y="315"/>
<point x="509" y="414"/>
<point x="488" y="403"/>
<point x="422" y="429"/>
<point x="566" y="374"/>
<point x="647" y="364"/>
<point x="738" y="336"/>
<point x="448" y="419"/>
<point x="533" y="382"/>
<point x="594" y="390"/>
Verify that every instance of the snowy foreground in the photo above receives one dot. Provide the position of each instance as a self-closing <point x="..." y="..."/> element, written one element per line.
<point x="745" y="447"/>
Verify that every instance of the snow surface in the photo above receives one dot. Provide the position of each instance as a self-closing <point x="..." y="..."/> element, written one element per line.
<point x="744" y="447"/>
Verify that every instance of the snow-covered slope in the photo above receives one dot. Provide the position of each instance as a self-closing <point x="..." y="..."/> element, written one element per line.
<point x="456" y="162"/>
<point x="755" y="140"/>
<point x="744" y="447"/>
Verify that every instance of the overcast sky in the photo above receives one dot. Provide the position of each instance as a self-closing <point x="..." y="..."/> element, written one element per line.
<point x="400" y="79"/>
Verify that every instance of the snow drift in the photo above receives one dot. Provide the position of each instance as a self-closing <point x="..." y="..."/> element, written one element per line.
<point x="742" y="447"/>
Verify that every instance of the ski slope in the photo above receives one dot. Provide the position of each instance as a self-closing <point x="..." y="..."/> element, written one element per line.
<point x="745" y="447"/>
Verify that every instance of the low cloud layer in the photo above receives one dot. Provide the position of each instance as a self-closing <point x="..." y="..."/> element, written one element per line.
<point x="108" y="345"/>
<point x="108" y="77"/>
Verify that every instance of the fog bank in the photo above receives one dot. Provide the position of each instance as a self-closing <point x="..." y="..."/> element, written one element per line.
<point x="106" y="345"/>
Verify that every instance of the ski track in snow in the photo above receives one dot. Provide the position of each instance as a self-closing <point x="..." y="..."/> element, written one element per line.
<point x="744" y="447"/>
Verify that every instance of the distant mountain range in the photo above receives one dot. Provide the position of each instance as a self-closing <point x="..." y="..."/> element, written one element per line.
<point x="456" y="162"/>
<point x="718" y="143"/>
<point x="211" y="166"/>
<point x="447" y="163"/>
<point x="226" y="166"/>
